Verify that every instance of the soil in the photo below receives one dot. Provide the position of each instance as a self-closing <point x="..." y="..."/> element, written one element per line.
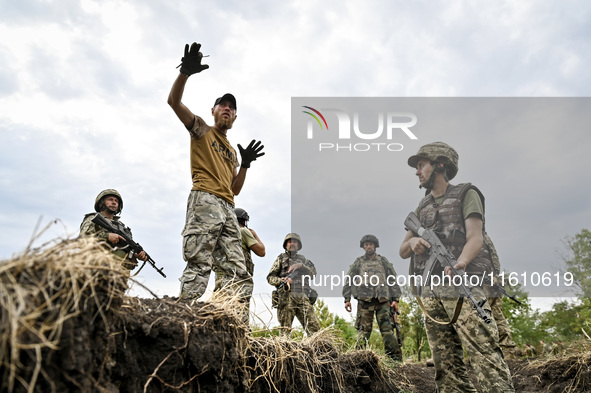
<point x="161" y="345"/>
<point x="553" y="375"/>
<point x="102" y="341"/>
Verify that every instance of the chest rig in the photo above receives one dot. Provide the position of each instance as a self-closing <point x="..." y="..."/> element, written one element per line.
<point x="446" y="219"/>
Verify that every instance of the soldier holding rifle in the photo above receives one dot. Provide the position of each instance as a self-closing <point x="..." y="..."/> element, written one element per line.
<point x="456" y="214"/>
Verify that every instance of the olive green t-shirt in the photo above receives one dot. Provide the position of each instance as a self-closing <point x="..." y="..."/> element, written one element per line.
<point x="213" y="160"/>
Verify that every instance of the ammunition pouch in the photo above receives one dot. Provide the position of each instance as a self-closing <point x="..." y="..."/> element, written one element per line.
<point x="313" y="296"/>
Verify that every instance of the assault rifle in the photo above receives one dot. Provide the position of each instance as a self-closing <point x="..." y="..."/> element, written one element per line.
<point x="291" y="275"/>
<point x="504" y="292"/>
<point x="394" y="314"/>
<point x="439" y="253"/>
<point x="101" y="221"/>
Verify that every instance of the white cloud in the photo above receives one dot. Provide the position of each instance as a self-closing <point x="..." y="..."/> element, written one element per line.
<point x="83" y="89"/>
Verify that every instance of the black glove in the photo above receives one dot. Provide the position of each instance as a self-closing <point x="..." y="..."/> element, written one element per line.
<point x="191" y="61"/>
<point x="251" y="153"/>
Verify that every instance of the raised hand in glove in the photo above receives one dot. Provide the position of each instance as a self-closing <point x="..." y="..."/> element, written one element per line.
<point x="191" y="61"/>
<point x="251" y="153"/>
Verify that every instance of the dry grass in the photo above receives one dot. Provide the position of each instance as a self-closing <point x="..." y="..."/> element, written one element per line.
<point x="281" y="359"/>
<point x="571" y="370"/>
<point x="42" y="289"/>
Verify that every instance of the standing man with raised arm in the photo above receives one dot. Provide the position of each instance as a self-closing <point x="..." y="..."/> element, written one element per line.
<point x="211" y="224"/>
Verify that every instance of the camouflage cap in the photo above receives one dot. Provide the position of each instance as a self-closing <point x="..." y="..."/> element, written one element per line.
<point x="104" y="193"/>
<point x="438" y="152"/>
<point x="292" y="236"/>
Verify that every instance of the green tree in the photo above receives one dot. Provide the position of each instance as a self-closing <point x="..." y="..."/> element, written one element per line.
<point x="578" y="260"/>
<point x="565" y="320"/>
<point x="412" y="325"/>
<point x="325" y="317"/>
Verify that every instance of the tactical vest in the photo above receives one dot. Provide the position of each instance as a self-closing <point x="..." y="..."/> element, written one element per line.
<point x="372" y="275"/>
<point x="447" y="221"/>
<point x="120" y="249"/>
<point x="296" y="285"/>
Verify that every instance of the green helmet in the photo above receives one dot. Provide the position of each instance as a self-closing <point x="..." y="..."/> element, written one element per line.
<point x="104" y="193"/>
<point x="438" y="152"/>
<point x="291" y="236"/>
<point x="371" y="239"/>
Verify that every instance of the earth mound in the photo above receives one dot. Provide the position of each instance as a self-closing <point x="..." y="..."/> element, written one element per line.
<point x="67" y="326"/>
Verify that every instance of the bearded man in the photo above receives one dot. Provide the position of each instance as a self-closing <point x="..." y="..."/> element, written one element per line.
<point x="211" y="227"/>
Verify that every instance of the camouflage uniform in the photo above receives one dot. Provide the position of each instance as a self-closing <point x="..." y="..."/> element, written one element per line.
<point x="89" y="228"/>
<point x="211" y="230"/>
<point x="469" y="332"/>
<point x="374" y="300"/>
<point x="495" y="299"/>
<point x="247" y="241"/>
<point x="293" y="301"/>
<point x="446" y="216"/>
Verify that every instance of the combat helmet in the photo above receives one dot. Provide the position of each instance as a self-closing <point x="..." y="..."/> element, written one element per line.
<point x="291" y="236"/>
<point x="438" y="152"/>
<point x="369" y="238"/>
<point x="241" y="214"/>
<point x="104" y="193"/>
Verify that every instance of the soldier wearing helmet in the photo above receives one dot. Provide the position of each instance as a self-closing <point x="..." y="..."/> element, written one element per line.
<point x="372" y="282"/>
<point x="250" y="242"/>
<point x="456" y="213"/>
<point x="109" y="204"/>
<point x="291" y="274"/>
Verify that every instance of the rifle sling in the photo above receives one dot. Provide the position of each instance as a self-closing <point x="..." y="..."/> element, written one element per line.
<point x="454" y="318"/>
<point x="140" y="269"/>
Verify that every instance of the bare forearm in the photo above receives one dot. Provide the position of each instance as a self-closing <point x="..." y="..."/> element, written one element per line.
<point x="175" y="101"/>
<point x="474" y="239"/>
<point x="238" y="181"/>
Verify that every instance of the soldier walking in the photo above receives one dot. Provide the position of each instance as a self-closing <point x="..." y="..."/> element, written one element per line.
<point x="372" y="282"/>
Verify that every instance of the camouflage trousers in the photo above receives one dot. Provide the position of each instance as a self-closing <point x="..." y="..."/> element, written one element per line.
<point x="211" y="231"/>
<point x="469" y="333"/>
<point x="364" y="325"/>
<point x="506" y="342"/>
<point x="299" y="307"/>
<point x="219" y="274"/>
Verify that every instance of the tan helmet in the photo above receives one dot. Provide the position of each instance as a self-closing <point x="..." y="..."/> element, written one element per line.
<point x="291" y="236"/>
<point x="104" y="193"/>
<point x="438" y="152"/>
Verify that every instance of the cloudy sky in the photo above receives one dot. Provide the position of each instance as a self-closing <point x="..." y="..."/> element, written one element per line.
<point x="83" y="88"/>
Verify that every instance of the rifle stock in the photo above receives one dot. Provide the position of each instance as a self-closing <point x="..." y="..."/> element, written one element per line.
<point x="101" y="221"/>
<point x="441" y="254"/>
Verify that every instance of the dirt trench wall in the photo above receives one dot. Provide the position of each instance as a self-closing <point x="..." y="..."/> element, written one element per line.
<point x="66" y="326"/>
